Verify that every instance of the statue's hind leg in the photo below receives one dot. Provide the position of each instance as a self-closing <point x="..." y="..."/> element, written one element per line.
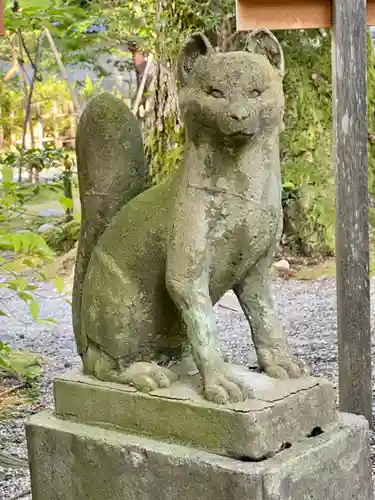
<point x="144" y="376"/>
<point x="147" y="377"/>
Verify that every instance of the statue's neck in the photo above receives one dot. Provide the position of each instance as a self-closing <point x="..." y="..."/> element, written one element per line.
<point x="206" y="160"/>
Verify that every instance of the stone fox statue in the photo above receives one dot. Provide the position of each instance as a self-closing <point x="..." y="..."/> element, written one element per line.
<point x="152" y="262"/>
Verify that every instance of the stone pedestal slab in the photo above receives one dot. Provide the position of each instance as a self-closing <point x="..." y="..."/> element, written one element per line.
<point x="281" y="412"/>
<point x="75" y="461"/>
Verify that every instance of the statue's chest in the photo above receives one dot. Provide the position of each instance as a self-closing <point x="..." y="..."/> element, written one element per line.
<point x="250" y="218"/>
<point x="241" y="233"/>
<point x="244" y="225"/>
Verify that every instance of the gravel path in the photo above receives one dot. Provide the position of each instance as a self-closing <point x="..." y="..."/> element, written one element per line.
<point x="307" y="310"/>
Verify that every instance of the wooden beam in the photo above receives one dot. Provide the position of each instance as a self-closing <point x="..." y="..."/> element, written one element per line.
<point x="350" y="157"/>
<point x="289" y="14"/>
<point x="2" y="30"/>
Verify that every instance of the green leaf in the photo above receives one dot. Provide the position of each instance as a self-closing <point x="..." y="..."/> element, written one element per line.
<point x="5" y="364"/>
<point x="59" y="284"/>
<point x="28" y="263"/>
<point x="7" y="174"/>
<point x="22" y="364"/>
<point x="18" y="284"/>
<point x="47" y="321"/>
<point x="67" y="203"/>
<point x="288" y="185"/>
<point x="18" y="241"/>
<point x="34" y="308"/>
<point x="25" y="296"/>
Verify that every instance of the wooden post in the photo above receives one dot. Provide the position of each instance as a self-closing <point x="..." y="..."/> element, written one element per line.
<point x="350" y="157"/>
<point x="2" y="30"/>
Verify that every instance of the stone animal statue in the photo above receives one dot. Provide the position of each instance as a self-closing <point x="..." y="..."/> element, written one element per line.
<point x="152" y="262"/>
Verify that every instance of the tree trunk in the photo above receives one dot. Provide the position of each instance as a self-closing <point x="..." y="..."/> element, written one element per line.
<point x="162" y="123"/>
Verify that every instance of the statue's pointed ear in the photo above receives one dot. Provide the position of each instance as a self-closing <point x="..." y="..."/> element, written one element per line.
<point x="262" y="41"/>
<point x="197" y="45"/>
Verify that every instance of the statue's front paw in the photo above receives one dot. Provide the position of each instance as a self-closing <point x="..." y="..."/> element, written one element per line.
<point x="147" y="377"/>
<point x="222" y="388"/>
<point x="282" y="364"/>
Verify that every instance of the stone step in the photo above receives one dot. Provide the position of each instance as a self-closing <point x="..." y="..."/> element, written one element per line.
<point x="75" y="461"/>
<point x="281" y="412"/>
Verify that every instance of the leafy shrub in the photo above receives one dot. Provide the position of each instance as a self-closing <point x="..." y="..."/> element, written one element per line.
<point x="19" y="249"/>
<point x="306" y="144"/>
<point x="62" y="236"/>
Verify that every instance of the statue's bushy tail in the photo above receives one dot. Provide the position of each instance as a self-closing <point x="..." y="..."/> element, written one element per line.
<point x="111" y="171"/>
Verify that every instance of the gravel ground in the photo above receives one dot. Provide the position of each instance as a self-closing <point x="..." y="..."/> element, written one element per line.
<point x="307" y="310"/>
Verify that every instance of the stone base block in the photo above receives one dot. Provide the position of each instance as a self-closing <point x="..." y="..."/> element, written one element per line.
<point x="73" y="461"/>
<point x="280" y="412"/>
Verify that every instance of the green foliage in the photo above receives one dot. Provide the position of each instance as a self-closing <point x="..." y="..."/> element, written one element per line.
<point x="21" y="365"/>
<point x="26" y="244"/>
<point x="132" y="21"/>
<point x="89" y="88"/>
<point x="35" y="158"/>
<point x="160" y="27"/>
<point x="306" y="144"/>
<point x="66" y="22"/>
<point x="11" y="100"/>
<point x="19" y="250"/>
<point x="62" y="236"/>
<point x="48" y="92"/>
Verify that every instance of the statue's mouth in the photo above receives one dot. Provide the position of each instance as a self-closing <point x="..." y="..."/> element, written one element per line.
<point x="242" y="135"/>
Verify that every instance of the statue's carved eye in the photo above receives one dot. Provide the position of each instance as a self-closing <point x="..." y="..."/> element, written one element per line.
<point x="216" y="93"/>
<point x="255" y="93"/>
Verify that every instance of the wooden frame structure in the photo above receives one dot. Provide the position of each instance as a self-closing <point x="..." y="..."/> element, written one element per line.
<point x="348" y="19"/>
<point x="2" y="29"/>
<point x="290" y="14"/>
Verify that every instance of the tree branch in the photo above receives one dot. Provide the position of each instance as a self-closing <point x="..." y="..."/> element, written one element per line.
<point x="63" y="71"/>
<point x="31" y="90"/>
<point x="142" y="85"/>
<point x="32" y="63"/>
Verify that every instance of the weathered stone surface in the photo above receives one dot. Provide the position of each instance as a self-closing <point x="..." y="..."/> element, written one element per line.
<point x="281" y="411"/>
<point x="111" y="171"/>
<point x="71" y="461"/>
<point x="172" y="251"/>
<point x="337" y="467"/>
